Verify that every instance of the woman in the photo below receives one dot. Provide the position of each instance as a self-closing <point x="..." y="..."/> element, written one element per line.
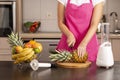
<point x="78" y="21"/>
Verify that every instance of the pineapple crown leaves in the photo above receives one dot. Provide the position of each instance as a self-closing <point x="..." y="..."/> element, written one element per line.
<point x="15" y="40"/>
<point x="60" y="56"/>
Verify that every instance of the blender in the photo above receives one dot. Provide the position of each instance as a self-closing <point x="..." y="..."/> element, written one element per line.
<point x="105" y="54"/>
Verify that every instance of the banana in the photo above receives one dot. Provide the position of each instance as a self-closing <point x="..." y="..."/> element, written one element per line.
<point x="33" y="57"/>
<point x="28" y="56"/>
<point x="23" y="53"/>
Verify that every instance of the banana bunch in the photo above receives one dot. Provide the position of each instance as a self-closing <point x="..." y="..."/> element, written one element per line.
<point x="27" y="54"/>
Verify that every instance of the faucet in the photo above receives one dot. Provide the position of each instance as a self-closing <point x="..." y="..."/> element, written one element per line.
<point x="114" y="16"/>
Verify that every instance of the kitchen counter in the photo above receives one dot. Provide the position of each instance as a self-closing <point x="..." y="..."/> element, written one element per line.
<point x="41" y="35"/>
<point x="8" y="71"/>
<point x="111" y="35"/>
<point x="55" y="35"/>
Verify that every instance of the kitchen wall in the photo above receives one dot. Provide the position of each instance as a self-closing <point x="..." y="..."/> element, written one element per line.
<point x="46" y="12"/>
<point x="113" y="6"/>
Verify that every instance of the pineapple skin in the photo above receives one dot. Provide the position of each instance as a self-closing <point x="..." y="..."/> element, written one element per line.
<point x="77" y="59"/>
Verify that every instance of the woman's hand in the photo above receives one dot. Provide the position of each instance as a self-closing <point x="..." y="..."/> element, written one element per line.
<point x="71" y="40"/>
<point x="81" y="49"/>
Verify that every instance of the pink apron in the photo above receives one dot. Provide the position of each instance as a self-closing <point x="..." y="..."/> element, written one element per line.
<point x="78" y="19"/>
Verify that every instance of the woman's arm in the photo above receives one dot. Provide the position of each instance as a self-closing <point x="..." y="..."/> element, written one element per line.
<point x="63" y="27"/>
<point x="96" y="17"/>
<point x="61" y="24"/>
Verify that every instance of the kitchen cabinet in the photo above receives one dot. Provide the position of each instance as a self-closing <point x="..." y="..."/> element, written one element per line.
<point x="48" y="45"/>
<point x="5" y="51"/>
<point x="116" y="49"/>
<point x="44" y="11"/>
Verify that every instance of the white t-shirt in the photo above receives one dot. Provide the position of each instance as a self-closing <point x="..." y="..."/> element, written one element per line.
<point x="80" y="2"/>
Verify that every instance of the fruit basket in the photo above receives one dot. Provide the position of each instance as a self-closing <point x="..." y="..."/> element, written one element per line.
<point x="23" y="53"/>
<point x="68" y="59"/>
<point x="31" y="27"/>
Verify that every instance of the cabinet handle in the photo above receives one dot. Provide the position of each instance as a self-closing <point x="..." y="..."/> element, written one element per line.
<point x="52" y="44"/>
<point x="6" y="3"/>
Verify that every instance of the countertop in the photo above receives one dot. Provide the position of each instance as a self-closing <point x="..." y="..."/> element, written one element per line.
<point x="56" y="35"/>
<point x="9" y="71"/>
<point x="41" y="35"/>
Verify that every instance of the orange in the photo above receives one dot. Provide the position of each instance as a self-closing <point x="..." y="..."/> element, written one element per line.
<point x="38" y="45"/>
<point x="32" y="42"/>
<point x="40" y="48"/>
<point x="27" y="45"/>
<point x="18" y="49"/>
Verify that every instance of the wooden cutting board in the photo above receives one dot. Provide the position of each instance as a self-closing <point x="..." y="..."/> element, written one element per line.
<point x="74" y="65"/>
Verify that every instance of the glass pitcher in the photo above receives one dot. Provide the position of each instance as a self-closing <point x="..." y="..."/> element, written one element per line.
<point x="104" y="32"/>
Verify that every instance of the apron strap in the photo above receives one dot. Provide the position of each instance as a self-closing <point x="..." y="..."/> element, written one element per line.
<point x="68" y="2"/>
<point x="90" y="1"/>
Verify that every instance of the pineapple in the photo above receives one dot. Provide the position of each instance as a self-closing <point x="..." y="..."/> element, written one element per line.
<point x="15" y="40"/>
<point x="77" y="59"/>
<point x="66" y="56"/>
<point x="62" y="56"/>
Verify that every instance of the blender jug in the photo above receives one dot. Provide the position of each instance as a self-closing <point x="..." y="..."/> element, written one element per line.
<point x="105" y="54"/>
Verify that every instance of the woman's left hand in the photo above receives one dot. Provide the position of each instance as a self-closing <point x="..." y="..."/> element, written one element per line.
<point x="81" y="49"/>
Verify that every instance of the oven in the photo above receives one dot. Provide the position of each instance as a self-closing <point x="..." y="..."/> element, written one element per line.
<point x="7" y="17"/>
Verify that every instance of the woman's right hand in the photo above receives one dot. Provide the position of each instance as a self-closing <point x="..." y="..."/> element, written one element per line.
<point x="71" y="40"/>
